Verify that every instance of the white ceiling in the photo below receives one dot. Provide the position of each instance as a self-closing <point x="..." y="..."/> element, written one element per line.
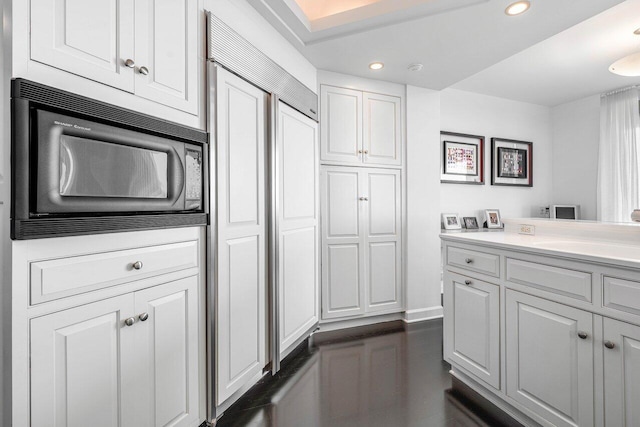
<point x="542" y="56"/>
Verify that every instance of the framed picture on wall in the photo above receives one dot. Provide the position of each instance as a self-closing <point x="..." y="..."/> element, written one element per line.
<point x="462" y="160"/>
<point x="451" y="221"/>
<point x="511" y="162"/>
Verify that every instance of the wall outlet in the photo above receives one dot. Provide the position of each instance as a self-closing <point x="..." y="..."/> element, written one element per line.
<point x="544" y="212"/>
<point x="527" y="229"/>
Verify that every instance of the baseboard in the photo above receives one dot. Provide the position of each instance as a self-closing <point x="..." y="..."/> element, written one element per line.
<point x="422" y="314"/>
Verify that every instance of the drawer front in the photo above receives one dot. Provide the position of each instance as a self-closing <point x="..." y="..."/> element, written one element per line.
<point x="623" y="295"/>
<point x="474" y="261"/>
<point x="561" y="281"/>
<point x="63" y="277"/>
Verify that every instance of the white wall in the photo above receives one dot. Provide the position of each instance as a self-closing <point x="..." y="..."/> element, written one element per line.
<point x="476" y="114"/>
<point x="576" y="135"/>
<point x="247" y="22"/>
<point x="423" y="204"/>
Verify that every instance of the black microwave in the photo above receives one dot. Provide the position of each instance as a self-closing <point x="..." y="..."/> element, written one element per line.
<point x="81" y="166"/>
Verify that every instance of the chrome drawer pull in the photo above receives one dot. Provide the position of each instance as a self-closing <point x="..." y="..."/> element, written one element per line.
<point x="468" y="260"/>
<point x="582" y="335"/>
<point x="130" y="321"/>
<point x="137" y="265"/>
<point x="609" y="345"/>
<point x="143" y="317"/>
<point x="467" y="282"/>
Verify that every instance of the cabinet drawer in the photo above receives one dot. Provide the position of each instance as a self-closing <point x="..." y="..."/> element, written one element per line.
<point x="562" y="281"/>
<point x="623" y="295"/>
<point x="58" y="278"/>
<point x="474" y="261"/>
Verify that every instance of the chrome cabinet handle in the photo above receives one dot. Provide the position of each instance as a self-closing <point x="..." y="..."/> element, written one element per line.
<point x="468" y="260"/>
<point x="359" y="151"/>
<point x="143" y="70"/>
<point x="364" y="199"/>
<point x="582" y="335"/>
<point x="130" y="321"/>
<point x="129" y="63"/>
<point x="609" y="345"/>
<point x="467" y="282"/>
<point x="137" y="265"/>
<point x="143" y="317"/>
<point x="366" y="151"/>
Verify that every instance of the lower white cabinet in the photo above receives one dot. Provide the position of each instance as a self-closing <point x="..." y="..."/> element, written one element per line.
<point x="550" y="367"/>
<point x="131" y="360"/>
<point x="472" y="326"/>
<point x="361" y="241"/>
<point x="621" y="373"/>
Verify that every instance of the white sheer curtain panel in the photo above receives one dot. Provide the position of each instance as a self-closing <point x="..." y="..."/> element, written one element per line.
<point x="619" y="156"/>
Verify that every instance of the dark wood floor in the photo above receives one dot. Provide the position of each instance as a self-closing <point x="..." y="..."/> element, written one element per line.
<point x="393" y="379"/>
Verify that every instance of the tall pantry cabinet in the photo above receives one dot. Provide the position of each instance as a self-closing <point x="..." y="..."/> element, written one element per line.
<point x="361" y="152"/>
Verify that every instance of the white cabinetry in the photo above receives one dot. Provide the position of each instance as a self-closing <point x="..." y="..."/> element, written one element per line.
<point x="472" y="326"/>
<point x="360" y="128"/>
<point x="146" y="47"/>
<point x="126" y="349"/>
<point x="550" y="359"/>
<point x="361" y="248"/>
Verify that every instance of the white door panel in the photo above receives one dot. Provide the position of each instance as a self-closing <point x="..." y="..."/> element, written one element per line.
<point x="241" y="275"/>
<point x="384" y="203"/>
<point x="90" y="38"/>
<point x="383" y="275"/>
<point x="167" y="45"/>
<point x="561" y="359"/>
<point x="341" y="121"/>
<point x="168" y="343"/>
<point x="298" y="187"/>
<point x="622" y="374"/>
<point x="79" y="361"/>
<point x="382" y="130"/>
<point x="341" y="203"/>
<point x="342" y="295"/>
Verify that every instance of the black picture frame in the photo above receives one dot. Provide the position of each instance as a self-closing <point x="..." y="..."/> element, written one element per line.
<point x="470" y="222"/>
<point x="511" y="162"/>
<point x="462" y="158"/>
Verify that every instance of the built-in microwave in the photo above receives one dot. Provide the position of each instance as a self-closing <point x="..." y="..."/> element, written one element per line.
<point x="80" y="166"/>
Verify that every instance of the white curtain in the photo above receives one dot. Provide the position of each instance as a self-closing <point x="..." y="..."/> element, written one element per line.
<point x="619" y="156"/>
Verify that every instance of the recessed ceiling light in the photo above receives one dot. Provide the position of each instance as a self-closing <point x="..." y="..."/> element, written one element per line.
<point x="376" y="65"/>
<point x="637" y="32"/>
<point x="517" y="8"/>
<point x="415" y="67"/>
<point x="628" y="66"/>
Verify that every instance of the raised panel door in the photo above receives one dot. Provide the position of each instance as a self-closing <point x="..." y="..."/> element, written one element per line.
<point x="342" y="242"/>
<point x="472" y="326"/>
<point x="167" y="349"/>
<point x="382" y="207"/>
<point x="341" y="125"/>
<point x="90" y="38"/>
<point x="167" y="47"/>
<point x="382" y="135"/>
<point x="549" y="367"/>
<point x="241" y="234"/>
<point x="82" y="366"/>
<point x="621" y="374"/>
<point x="298" y="251"/>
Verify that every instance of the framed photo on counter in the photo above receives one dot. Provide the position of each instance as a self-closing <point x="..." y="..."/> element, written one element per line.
<point x="492" y="216"/>
<point x="451" y="222"/>
<point x="511" y="162"/>
<point x="470" y="222"/>
<point x="462" y="160"/>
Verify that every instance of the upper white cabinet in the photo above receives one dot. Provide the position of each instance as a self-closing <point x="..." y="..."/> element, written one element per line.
<point x="360" y="128"/>
<point x="361" y="241"/>
<point x="147" y="47"/>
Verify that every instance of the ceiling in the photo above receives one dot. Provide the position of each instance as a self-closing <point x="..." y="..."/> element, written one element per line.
<point x="558" y="51"/>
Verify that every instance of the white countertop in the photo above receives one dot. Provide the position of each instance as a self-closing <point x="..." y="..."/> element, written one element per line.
<point x="596" y="242"/>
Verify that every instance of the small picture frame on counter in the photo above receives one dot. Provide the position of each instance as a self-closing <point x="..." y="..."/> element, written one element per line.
<point x="470" y="222"/>
<point x="492" y="218"/>
<point x="451" y="221"/>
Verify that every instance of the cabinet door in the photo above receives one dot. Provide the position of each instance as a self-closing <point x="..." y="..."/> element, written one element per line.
<point x="167" y="351"/>
<point x="298" y="249"/>
<point x="342" y="243"/>
<point x="382" y="136"/>
<point x="341" y="125"/>
<point x="241" y="230"/>
<point x="92" y="39"/>
<point x="549" y="368"/>
<point x="621" y="374"/>
<point x="472" y="326"/>
<point x="83" y="367"/>
<point x="167" y="51"/>
<point x="382" y="215"/>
